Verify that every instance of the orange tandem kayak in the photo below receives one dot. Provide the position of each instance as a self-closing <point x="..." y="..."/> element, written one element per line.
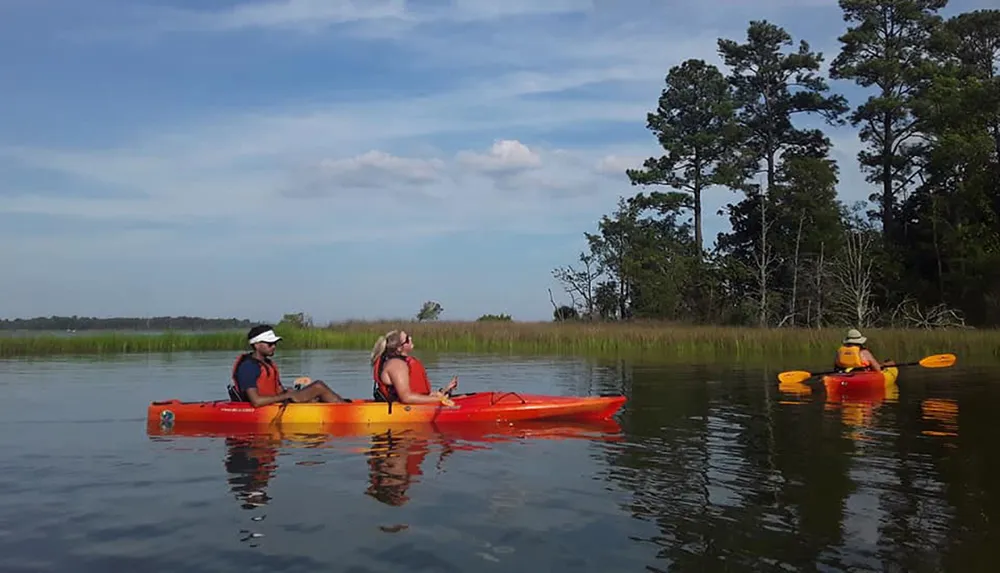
<point x="472" y="407"/>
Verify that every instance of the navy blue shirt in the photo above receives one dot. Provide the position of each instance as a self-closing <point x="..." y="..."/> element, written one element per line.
<point x="247" y="374"/>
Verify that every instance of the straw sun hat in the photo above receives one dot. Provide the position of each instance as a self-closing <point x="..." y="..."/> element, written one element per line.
<point x="854" y="337"/>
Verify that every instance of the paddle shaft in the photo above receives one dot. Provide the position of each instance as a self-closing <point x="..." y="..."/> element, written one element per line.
<point x="884" y="366"/>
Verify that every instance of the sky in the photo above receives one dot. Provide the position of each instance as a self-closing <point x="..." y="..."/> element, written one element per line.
<point x="346" y="159"/>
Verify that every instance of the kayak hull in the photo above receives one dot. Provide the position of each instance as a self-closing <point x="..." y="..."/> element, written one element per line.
<point x="473" y="432"/>
<point x="862" y="382"/>
<point x="474" y="407"/>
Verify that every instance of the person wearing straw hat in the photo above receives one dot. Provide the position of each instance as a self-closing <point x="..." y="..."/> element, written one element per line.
<point x="853" y="354"/>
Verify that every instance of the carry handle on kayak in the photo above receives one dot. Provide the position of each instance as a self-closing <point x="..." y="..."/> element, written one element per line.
<point x="494" y="400"/>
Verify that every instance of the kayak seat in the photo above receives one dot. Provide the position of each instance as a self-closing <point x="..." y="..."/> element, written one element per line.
<point x="234" y="394"/>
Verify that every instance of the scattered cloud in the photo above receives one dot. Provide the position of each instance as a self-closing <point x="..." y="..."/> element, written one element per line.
<point x="317" y="16"/>
<point x="294" y="13"/>
<point x="192" y="130"/>
<point x="486" y="188"/>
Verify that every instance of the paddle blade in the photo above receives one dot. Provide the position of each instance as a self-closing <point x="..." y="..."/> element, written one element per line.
<point x="794" y="376"/>
<point x="938" y="361"/>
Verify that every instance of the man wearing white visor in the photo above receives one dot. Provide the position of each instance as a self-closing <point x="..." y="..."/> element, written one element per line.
<point x="256" y="379"/>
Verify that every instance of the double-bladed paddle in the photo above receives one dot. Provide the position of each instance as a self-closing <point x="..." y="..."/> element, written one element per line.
<point x="932" y="361"/>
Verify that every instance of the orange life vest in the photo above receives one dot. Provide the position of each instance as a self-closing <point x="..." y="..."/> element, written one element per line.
<point x="419" y="383"/>
<point x="269" y="381"/>
<point x="849" y="357"/>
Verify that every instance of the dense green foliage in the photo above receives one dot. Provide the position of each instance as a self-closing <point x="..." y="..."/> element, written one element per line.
<point x="495" y="318"/>
<point x="927" y="252"/>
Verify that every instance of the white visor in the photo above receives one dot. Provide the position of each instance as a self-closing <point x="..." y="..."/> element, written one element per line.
<point x="266" y="336"/>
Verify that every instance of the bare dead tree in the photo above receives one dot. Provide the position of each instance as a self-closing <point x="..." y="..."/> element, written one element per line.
<point x="937" y="246"/>
<point x="855" y="281"/>
<point x="909" y="314"/>
<point x="819" y="279"/>
<point x="555" y="307"/>
<point x="792" y="310"/>
<point x="763" y="260"/>
<point x="563" y="312"/>
<point x="580" y="282"/>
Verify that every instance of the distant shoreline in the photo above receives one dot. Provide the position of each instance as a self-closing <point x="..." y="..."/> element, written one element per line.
<point x="656" y="339"/>
<point x="123" y="323"/>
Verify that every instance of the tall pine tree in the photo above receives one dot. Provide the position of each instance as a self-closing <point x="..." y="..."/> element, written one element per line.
<point x="771" y="88"/>
<point x="695" y="124"/>
<point x="885" y="49"/>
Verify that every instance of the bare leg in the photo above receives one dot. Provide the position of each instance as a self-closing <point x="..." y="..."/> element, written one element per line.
<point x="317" y="391"/>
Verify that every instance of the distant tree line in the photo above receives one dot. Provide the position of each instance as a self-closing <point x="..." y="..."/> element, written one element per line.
<point x="156" y="323"/>
<point x="924" y="251"/>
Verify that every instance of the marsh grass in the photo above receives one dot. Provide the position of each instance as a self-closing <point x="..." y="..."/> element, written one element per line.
<point x="636" y="338"/>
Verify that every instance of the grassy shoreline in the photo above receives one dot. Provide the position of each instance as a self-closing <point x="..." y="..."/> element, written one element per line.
<point x="652" y="338"/>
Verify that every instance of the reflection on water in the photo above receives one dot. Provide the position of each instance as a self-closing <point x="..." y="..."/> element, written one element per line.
<point x="396" y="455"/>
<point x="709" y="468"/>
<point x="838" y="482"/>
<point x="250" y="462"/>
<point x="395" y="461"/>
<point x="941" y="416"/>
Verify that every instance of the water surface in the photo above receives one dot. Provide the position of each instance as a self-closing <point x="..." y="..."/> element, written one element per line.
<point x="710" y="468"/>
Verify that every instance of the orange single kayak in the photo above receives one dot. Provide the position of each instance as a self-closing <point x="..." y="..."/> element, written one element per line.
<point x="472" y="407"/>
<point x="861" y="382"/>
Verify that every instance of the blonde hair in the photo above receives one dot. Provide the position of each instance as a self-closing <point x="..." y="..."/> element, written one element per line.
<point x="390" y="341"/>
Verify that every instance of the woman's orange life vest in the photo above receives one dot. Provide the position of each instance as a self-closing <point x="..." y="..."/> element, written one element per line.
<point x="849" y="357"/>
<point x="269" y="381"/>
<point x="419" y="383"/>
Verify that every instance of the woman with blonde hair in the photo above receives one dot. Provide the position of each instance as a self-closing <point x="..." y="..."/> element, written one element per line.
<point x="400" y="377"/>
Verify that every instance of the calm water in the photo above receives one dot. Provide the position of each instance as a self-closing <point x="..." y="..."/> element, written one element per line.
<point x="712" y="469"/>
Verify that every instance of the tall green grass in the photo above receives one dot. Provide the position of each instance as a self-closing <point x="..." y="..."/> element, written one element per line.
<point x="652" y="338"/>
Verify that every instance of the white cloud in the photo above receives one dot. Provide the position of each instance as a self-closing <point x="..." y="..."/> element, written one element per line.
<point x="485" y="9"/>
<point x="315" y="15"/>
<point x="370" y="168"/>
<point x="615" y="165"/>
<point x="505" y="156"/>
<point x="305" y="13"/>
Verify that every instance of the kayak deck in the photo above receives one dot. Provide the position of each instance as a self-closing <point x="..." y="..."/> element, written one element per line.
<point x="473" y="407"/>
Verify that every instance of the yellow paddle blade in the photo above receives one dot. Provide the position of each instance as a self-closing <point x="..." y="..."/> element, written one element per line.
<point x="794" y="376"/>
<point x="938" y="361"/>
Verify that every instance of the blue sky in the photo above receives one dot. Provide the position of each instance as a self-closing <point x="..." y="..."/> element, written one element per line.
<point x="347" y="159"/>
